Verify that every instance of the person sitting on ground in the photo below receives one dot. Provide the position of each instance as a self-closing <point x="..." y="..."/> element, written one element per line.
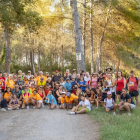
<point x="126" y="103"/>
<point x="50" y="99"/>
<point x="26" y="99"/>
<point x="10" y="82"/>
<point x="100" y="86"/>
<point x="26" y="87"/>
<point x="83" y="107"/>
<point x="3" y="102"/>
<point x="93" y="98"/>
<point x="36" y="100"/>
<point x="109" y="103"/>
<point x="71" y="100"/>
<point x="82" y="84"/>
<point x="68" y="86"/>
<point x="47" y="89"/>
<point x="59" y="94"/>
<point x="26" y="80"/>
<point x="14" y="103"/>
<point x="88" y="93"/>
<point x="31" y="81"/>
<point x="7" y="95"/>
<point x="63" y="102"/>
<point x="41" y="82"/>
<point x="42" y="93"/>
<point x="20" y="83"/>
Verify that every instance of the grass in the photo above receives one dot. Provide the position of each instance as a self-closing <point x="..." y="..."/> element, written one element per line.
<point x="119" y="127"/>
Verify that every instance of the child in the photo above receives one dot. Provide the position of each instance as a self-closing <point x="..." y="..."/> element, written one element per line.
<point x="38" y="100"/>
<point x="99" y="85"/>
<point x="99" y="93"/>
<point x="63" y="105"/>
<point x="50" y="99"/>
<point x="14" y="103"/>
<point x="92" y="99"/>
<point x="109" y="103"/>
<point x="7" y="95"/>
<point x="26" y="98"/>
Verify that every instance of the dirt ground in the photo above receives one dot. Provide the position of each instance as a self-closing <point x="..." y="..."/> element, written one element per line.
<point x="45" y="124"/>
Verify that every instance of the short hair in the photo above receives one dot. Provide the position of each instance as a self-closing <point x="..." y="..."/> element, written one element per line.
<point x="100" y="72"/>
<point x="124" y="89"/>
<point x="131" y="71"/>
<point x="82" y="95"/>
<point x="110" y="73"/>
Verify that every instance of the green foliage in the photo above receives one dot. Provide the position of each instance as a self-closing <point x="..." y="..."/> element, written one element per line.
<point x="2" y="57"/>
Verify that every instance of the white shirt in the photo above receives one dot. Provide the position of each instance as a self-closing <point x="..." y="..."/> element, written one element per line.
<point x="109" y="102"/>
<point x="86" y="102"/>
<point x="28" y="77"/>
<point x="87" y="78"/>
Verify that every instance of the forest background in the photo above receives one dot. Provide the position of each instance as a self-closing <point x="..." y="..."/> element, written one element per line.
<point x="39" y="35"/>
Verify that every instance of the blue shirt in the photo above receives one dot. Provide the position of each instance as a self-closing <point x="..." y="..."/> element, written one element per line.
<point x="68" y="86"/>
<point x="82" y="87"/>
<point x="51" y="97"/>
<point x="73" y="83"/>
<point x="128" y="96"/>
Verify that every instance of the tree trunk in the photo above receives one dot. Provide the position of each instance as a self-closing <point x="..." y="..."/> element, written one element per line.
<point x="84" y="27"/>
<point x="7" y="50"/>
<point x="91" y="38"/>
<point x="38" y="59"/>
<point x="27" y="60"/>
<point x="33" y="61"/>
<point x="78" y="35"/>
<point x="62" y="63"/>
<point x="97" y="60"/>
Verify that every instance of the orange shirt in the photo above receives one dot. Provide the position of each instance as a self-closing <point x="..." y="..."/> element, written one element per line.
<point x="68" y="100"/>
<point x="26" y="82"/>
<point x="62" y="100"/>
<point x="32" y="89"/>
<point x="72" y="97"/>
<point x="26" y="97"/>
<point x="10" y="83"/>
<point x="37" y="97"/>
<point x="6" y="96"/>
<point x="38" y="78"/>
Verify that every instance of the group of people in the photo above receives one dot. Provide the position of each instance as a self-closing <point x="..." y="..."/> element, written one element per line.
<point x="77" y="92"/>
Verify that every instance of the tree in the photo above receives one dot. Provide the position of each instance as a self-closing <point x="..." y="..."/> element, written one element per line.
<point x="78" y="35"/>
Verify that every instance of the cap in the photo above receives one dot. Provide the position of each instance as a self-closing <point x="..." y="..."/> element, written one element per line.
<point x="47" y="84"/>
<point x="41" y="78"/>
<point x="29" y="71"/>
<point x="74" y="69"/>
<point x="108" y="68"/>
<point x="109" y="93"/>
<point x="56" y="71"/>
<point x="104" y="76"/>
<point x="47" y="72"/>
<point x="67" y="72"/>
<point x="63" y="92"/>
<point x="68" y="79"/>
<point x="68" y="93"/>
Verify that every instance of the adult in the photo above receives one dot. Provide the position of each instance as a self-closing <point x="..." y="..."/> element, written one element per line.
<point x="61" y="81"/>
<point x="88" y="93"/>
<point x="29" y="75"/>
<point x="74" y="73"/>
<point x="68" y="86"/>
<point x="5" y="76"/>
<point x="10" y="82"/>
<point x="40" y="76"/>
<point x="3" y="102"/>
<point x="82" y="84"/>
<point x="67" y="76"/>
<point x="49" y="81"/>
<point x="26" y="87"/>
<point x="2" y="83"/>
<point x="100" y="79"/>
<point x="47" y="75"/>
<point x="83" y="107"/>
<point x="26" y="80"/>
<point x="55" y="78"/>
<point x="93" y="81"/>
<point x="120" y="84"/>
<point x="18" y="93"/>
<point x="20" y="82"/>
<point x="47" y="89"/>
<point x="78" y="78"/>
<point x="108" y="70"/>
<point x="126" y="102"/>
<point x="41" y="82"/>
<point x="31" y="81"/>
<point x="32" y="88"/>
<point x="87" y="78"/>
<point x="133" y="83"/>
<point x="20" y="73"/>
<point x="59" y="93"/>
<point x="41" y="92"/>
<point x="111" y="85"/>
<point x="15" y="78"/>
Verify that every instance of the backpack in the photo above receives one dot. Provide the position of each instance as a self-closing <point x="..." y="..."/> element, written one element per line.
<point x="106" y="99"/>
<point x="128" y="82"/>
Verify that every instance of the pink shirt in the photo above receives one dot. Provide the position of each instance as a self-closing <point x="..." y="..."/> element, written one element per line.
<point x="93" y="83"/>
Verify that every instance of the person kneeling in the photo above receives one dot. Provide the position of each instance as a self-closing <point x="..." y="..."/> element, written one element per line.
<point x="109" y="103"/>
<point x="14" y="103"/>
<point x="37" y="100"/>
<point x="83" y="107"/>
<point x="50" y="99"/>
<point x="126" y="103"/>
<point x="63" y="101"/>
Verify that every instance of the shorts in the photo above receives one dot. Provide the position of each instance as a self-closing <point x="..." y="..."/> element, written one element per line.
<point x="110" y="108"/>
<point x="62" y="104"/>
<point x="40" y="101"/>
<point x="2" y="90"/>
<point x="134" y="93"/>
<point x="70" y="104"/>
<point x="118" y="92"/>
<point x="132" y="106"/>
<point x="87" y="110"/>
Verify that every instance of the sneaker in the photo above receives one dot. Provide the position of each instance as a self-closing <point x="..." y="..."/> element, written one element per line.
<point x="27" y="107"/>
<point x="42" y="105"/>
<point x="3" y="109"/>
<point x="114" y="113"/>
<point x="129" y="114"/>
<point x="72" y="113"/>
<point x="34" y="107"/>
<point x="9" y="108"/>
<point x="17" y="108"/>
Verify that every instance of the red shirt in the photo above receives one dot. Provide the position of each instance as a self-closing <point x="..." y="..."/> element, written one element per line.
<point x="2" y="83"/>
<point x="47" y="91"/>
<point x="133" y="85"/>
<point x="120" y="85"/>
<point x="74" y="92"/>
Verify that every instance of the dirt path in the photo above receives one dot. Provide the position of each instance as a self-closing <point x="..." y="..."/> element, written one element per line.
<point x="45" y="124"/>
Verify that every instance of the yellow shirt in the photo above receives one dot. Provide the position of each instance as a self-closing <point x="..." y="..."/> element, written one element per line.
<point x="32" y="90"/>
<point x="38" y="78"/>
<point x="37" y="97"/>
<point x="6" y="96"/>
<point x="41" y="83"/>
<point x="26" y="97"/>
<point x="10" y="83"/>
<point x="72" y="97"/>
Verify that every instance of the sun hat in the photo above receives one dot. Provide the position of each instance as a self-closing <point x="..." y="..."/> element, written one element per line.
<point x="108" y="68"/>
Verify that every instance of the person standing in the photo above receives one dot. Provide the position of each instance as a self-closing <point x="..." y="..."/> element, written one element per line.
<point x="2" y="83"/>
<point x="120" y="84"/>
<point x="93" y="81"/>
<point x="55" y="78"/>
<point x="133" y="83"/>
<point x="67" y="76"/>
<point x="74" y="74"/>
<point x="87" y="78"/>
<point x="101" y="79"/>
<point x="29" y="75"/>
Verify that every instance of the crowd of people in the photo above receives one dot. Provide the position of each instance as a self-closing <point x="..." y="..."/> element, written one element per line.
<point x="78" y="92"/>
